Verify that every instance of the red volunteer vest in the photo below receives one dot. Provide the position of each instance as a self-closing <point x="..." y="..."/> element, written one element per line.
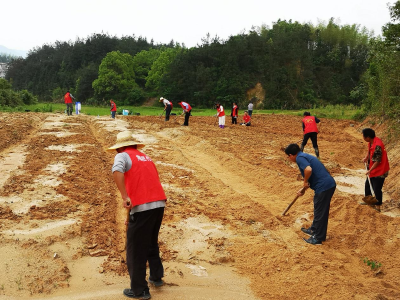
<point x="141" y="181"/>
<point x="183" y="106"/>
<point x="309" y="124"/>
<point x="221" y="111"/>
<point x="246" y="119"/>
<point x="169" y="103"/>
<point x="235" y="111"/>
<point x="67" y="98"/>
<point x="113" y="107"/>
<point x="383" y="167"/>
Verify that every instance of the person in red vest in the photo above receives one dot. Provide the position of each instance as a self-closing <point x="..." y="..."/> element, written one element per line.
<point x="137" y="179"/>
<point x="246" y="119"/>
<point x="68" y="101"/>
<point x="220" y="115"/>
<point x="378" y="165"/>
<point x="113" y="108"/>
<point x="311" y="130"/>
<point x="234" y="113"/>
<point x="186" y="110"/>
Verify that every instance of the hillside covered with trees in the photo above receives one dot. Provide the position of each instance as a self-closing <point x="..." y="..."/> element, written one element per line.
<point x="296" y="66"/>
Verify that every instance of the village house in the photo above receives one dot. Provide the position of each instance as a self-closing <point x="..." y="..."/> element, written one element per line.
<point x="3" y="69"/>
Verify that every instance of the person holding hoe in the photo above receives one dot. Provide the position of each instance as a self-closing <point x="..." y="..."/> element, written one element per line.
<point x="310" y="129"/>
<point x="167" y="107"/>
<point x="137" y="180"/>
<point x="378" y="165"/>
<point x="316" y="177"/>
<point x="187" y="109"/>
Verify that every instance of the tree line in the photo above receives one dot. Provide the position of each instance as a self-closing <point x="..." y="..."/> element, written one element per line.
<point x="381" y="81"/>
<point x="296" y="65"/>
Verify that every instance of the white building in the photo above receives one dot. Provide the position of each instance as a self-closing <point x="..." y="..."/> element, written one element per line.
<point x="3" y="69"/>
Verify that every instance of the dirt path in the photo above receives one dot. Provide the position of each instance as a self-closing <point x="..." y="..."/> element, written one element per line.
<point x="223" y="236"/>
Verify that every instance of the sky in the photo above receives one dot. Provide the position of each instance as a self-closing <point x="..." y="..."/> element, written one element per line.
<point x="26" y="24"/>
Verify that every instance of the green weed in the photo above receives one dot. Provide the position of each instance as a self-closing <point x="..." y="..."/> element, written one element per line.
<point x="19" y="283"/>
<point x="373" y="264"/>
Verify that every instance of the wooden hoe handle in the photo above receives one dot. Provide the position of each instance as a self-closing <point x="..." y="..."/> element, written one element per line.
<point x="291" y="203"/>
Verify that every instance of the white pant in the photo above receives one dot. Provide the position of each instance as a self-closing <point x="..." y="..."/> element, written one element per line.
<point x="221" y="120"/>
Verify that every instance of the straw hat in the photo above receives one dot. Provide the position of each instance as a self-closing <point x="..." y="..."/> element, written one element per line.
<point x="161" y="99"/>
<point x="124" y="139"/>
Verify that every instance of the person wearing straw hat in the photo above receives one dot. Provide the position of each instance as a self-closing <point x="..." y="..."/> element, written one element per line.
<point x="137" y="179"/>
<point x="167" y="107"/>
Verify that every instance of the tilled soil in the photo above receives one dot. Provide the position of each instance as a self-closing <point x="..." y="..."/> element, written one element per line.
<point x="223" y="236"/>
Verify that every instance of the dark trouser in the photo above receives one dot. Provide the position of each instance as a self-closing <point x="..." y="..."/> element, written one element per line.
<point x="142" y="246"/>
<point x="377" y="184"/>
<point x="168" y="112"/>
<point x="234" y="120"/>
<point x="313" y="136"/>
<point x="69" y="109"/>
<point x="322" y="203"/>
<point x="250" y="112"/>
<point x="113" y="114"/>
<point x="187" y="115"/>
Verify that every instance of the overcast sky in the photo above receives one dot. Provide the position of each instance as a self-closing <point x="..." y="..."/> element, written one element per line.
<point x="25" y="24"/>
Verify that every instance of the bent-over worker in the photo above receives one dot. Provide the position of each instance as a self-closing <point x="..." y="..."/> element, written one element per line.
<point x="311" y="130"/>
<point x="167" y="107"/>
<point x="316" y="177"/>
<point x="187" y="109"/>
<point x="137" y="179"/>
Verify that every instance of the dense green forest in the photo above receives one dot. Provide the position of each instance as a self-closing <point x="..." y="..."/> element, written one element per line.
<point x="382" y="79"/>
<point x="293" y="66"/>
<point x="297" y="65"/>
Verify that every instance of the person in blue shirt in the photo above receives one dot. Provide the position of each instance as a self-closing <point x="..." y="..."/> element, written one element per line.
<point x="316" y="177"/>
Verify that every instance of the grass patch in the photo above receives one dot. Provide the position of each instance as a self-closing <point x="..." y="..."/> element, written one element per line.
<point x="341" y="112"/>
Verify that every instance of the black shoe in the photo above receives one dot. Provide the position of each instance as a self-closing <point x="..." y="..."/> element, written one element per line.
<point x="307" y="231"/>
<point x="313" y="241"/>
<point x="156" y="283"/>
<point x="143" y="295"/>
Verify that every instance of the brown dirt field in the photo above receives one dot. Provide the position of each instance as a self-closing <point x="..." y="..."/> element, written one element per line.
<point x="223" y="236"/>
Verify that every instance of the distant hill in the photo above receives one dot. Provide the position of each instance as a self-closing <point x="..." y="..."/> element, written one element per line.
<point x="5" y="50"/>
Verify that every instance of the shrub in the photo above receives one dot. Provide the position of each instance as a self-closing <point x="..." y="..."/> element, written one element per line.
<point x="27" y="97"/>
